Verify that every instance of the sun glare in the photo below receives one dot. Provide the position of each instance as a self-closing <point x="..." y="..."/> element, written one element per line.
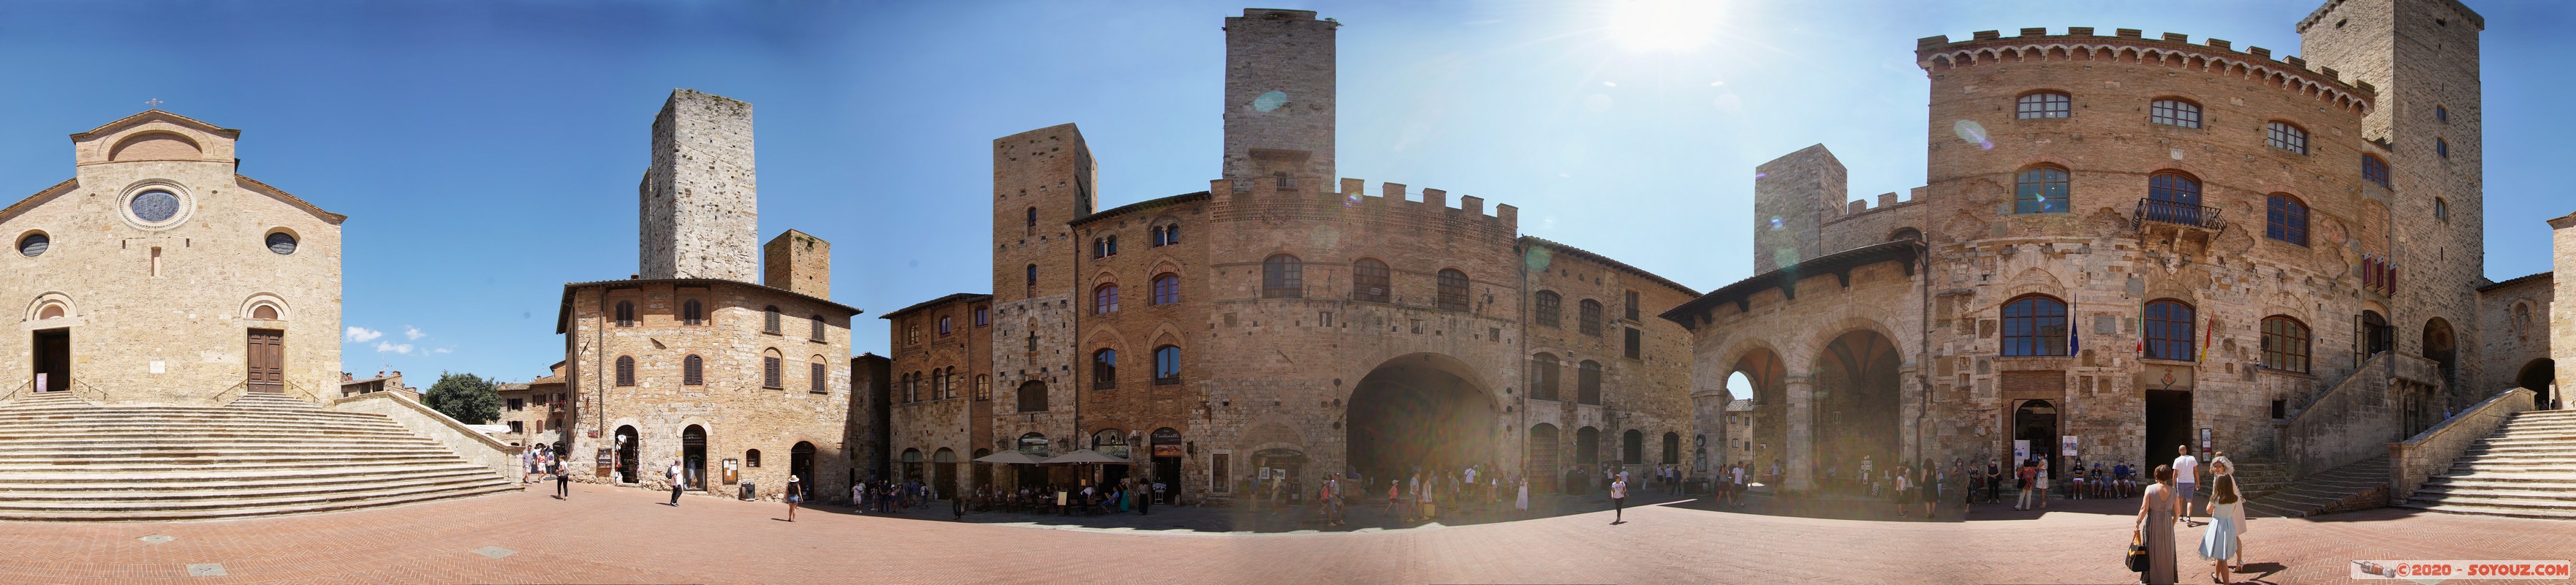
<point x="1663" y="25"/>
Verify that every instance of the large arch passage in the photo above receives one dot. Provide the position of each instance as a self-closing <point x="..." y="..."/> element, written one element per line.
<point x="1768" y="377"/>
<point x="1419" y="409"/>
<point x="2537" y="376"/>
<point x="1856" y="403"/>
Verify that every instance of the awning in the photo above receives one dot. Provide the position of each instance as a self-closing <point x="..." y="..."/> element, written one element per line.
<point x="1084" y="456"/>
<point x="1011" y="457"/>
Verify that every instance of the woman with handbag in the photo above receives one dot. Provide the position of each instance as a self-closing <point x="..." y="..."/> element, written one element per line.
<point x="2155" y="528"/>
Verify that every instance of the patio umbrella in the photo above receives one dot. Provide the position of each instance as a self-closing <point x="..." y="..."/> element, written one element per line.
<point x="1011" y="457"/>
<point x="1079" y="456"/>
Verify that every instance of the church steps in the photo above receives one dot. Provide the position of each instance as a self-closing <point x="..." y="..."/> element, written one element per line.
<point x="137" y="466"/>
<point x="9" y="416"/>
<point x="2357" y="486"/>
<point x="246" y="506"/>
<point x="164" y="488"/>
<point x="2527" y="468"/>
<point x="213" y="455"/>
<point x="158" y="479"/>
<point x="55" y="431"/>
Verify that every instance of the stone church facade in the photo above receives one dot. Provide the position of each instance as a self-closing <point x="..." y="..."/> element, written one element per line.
<point x="2133" y="242"/>
<point x="159" y="274"/>
<point x="1282" y="321"/>
<point x="692" y="361"/>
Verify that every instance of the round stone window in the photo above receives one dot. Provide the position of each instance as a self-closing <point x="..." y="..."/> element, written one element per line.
<point x="154" y="206"/>
<point x="281" y="242"/>
<point x="34" y="244"/>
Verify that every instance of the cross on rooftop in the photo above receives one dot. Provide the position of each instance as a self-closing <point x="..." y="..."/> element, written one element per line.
<point x="154" y="102"/>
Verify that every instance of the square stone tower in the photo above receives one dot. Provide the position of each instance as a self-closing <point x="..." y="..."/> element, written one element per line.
<point x="1042" y="180"/>
<point x="1792" y="197"/>
<point x="2562" y="322"/>
<point x="799" y="263"/>
<point x="2422" y="56"/>
<point x="1279" y="77"/>
<point x="699" y="201"/>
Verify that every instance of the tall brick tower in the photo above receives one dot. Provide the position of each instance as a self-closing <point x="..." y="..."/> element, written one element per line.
<point x="2423" y="57"/>
<point x="1279" y="94"/>
<point x="1042" y="179"/>
<point x="699" y="201"/>
<point x="1792" y="197"/>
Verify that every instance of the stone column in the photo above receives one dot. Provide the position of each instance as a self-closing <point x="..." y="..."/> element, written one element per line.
<point x="1910" y="408"/>
<point x="1708" y="422"/>
<point x="1801" y="435"/>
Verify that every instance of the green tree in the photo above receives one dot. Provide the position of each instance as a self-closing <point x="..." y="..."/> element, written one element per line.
<point x="465" y="397"/>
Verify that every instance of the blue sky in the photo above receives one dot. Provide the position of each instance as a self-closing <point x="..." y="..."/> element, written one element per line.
<point x="486" y="153"/>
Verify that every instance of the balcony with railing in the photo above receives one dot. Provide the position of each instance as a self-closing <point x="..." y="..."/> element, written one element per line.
<point x="2191" y="215"/>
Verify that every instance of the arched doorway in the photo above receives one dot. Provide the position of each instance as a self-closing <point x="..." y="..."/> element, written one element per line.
<point x="2538" y="375"/>
<point x="1587" y="461"/>
<point x="1544" y="465"/>
<point x="2443" y="348"/>
<point x="693" y="456"/>
<point x="1419" y="410"/>
<point x="1672" y="448"/>
<point x="2036" y="421"/>
<point x="1856" y="403"/>
<point x="800" y="463"/>
<point x="943" y="471"/>
<point x="2371" y="335"/>
<point x="1632" y="447"/>
<point x="628" y="448"/>
<point x="1767" y="381"/>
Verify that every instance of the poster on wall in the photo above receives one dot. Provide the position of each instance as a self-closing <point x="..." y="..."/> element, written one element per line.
<point x="2067" y="446"/>
<point x="2204" y="441"/>
<point x="2021" y="451"/>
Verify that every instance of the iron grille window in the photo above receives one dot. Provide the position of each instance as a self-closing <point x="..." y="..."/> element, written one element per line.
<point x="2040" y="190"/>
<point x="1104" y="369"/>
<point x="1283" y="277"/>
<point x="2044" y="105"/>
<point x="1370" y="281"/>
<point x="1591" y="315"/>
<point x="625" y="370"/>
<point x="770" y="319"/>
<point x="1550" y="308"/>
<point x="2034" y="326"/>
<point x="692" y="313"/>
<point x="815" y="379"/>
<point x="2285" y="344"/>
<point x="2286" y="219"/>
<point x="1167" y="289"/>
<point x="2174" y="113"/>
<point x="693" y="370"/>
<point x="1543" y="377"/>
<point x="1167" y="365"/>
<point x="2169" y="331"/>
<point x="769" y="373"/>
<point x="2375" y="170"/>
<point x="1453" y="290"/>
<point x="2284" y="136"/>
<point x="1587" y="382"/>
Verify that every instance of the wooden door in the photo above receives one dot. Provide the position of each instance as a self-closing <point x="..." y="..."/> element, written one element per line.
<point x="267" y="360"/>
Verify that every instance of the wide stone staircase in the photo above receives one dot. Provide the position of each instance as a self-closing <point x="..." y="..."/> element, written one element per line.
<point x="64" y="459"/>
<point x="2358" y="486"/>
<point x="2260" y="477"/>
<point x="2527" y="468"/>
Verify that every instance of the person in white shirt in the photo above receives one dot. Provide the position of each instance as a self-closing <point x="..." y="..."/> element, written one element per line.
<point x="675" y="483"/>
<point x="1618" y="499"/>
<point x="2186" y="470"/>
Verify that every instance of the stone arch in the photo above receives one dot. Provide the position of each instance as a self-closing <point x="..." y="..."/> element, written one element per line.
<point x="251" y="306"/>
<point x="1852" y="319"/>
<point x="52" y="305"/>
<point x="156" y="145"/>
<point x="1425" y="409"/>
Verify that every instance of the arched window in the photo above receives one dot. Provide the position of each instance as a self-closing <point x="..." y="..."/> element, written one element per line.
<point x="1156" y="238"/>
<point x="1587" y="383"/>
<point x="693" y="370"/>
<point x="1587" y="446"/>
<point x="1104" y="299"/>
<point x="2046" y="104"/>
<point x="692" y="313"/>
<point x="2286" y="219"/>
<point x="264" y="311"/>
<point x="817" y="325"/>
<point x="2040" y="190"/>
<point x="1033" y="217"/>
<point x="1672" y="448"/>
<point x="1591" y="315"/>
<point x="751" y="458"/>
<point x="984" y="387"/>
<point x="1543" y="376"/>
<point x="1171" y="234"/>
<point x="2169" y="330"/>
<point x="944" y="326"/>
<point x="1550" y="309"/>
<point x="1370" y="281"/>
<point x="2174" y="112"/>
<point x="2285" y="344"/>
<point x="1453" y="290"/>
<point x="1283" y="277"/>
<point x="1104" y="369"/>
<point x="625" y="370"/>
<point x="2286" y="136"/>
<point x="2173" y="198"/>
<point x="625" y="313"/>
<point x="1035" y="443"/>
<point x="1906" y="234"/>
<point x="769" y="319"/>
<point x="2034" y="325"/>
<point x="2375" y="169"/>
<point x="1167" y="289"/>
<point x="1033" y="275"/>
<point x="1632" y="447"/>
<point x="1167" y="365"/>
<point x="771" y="375"/>
<point x="1033" y="396"/>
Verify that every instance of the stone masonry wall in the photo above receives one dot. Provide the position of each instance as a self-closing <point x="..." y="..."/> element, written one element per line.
<point x="700" y="199"/>
<point x="1792" y="197"/>
<point x="930" y="415"/>
<point x="1279" y="94"/>
<point x="798" y="263"/>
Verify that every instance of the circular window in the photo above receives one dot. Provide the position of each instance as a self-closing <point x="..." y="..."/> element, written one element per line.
<point x="154" y="206"/>
<point x="34" y="244"/>
<point x="281" y="242"/>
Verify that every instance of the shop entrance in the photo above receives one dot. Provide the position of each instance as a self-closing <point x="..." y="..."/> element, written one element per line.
<point x="54" y="359"/>
<point x="627" y="447"/>
<point x="693" y="456"/>
<point x="2168" y="425"/>
<point x="1167" y="471"/>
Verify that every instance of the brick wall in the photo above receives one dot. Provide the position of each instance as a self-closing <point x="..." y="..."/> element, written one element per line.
<point x="1279" y="94"/>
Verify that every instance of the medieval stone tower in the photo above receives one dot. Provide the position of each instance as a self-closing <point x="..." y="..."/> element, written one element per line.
<point x="1043" y="179"/>
<point x="1792" y="197"/>
<point x="2423" y="57"/>
<point x="1279" y="94"/>
<point x="699" y="200"/>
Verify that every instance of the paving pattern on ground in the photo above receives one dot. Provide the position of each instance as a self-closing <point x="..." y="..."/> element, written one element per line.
<point x="604" y="534"/>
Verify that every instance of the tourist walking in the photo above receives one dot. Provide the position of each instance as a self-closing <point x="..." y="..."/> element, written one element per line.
<point x="1521" y="502"/>
<point x="563" y="482"/>
<point x="795" y="495"/>
<point x="2155" y="528"/>
<point x="1618" y="499"/>
<point x="2186" y="476"/>
<point x="2218" y="544"/>
<point x="676" y="483"/>
<point x="2027" y="475"/>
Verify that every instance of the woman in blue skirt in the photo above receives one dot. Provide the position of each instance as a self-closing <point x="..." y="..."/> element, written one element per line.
<point x="2218" y="543"/>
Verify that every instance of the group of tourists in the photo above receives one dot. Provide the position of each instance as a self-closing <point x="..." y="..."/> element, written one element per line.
<point x="1730" y="484"/>
<point x="2169" y="501"/>
<point x="888" y="496"/>
<point x="1421" y="496"/>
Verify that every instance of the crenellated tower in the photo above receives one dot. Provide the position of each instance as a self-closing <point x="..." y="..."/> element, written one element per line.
<point x="1279" y="94"/>
<point x="699" y="203"/>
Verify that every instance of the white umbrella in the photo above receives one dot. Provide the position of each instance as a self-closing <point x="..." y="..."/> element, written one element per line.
<point x="1083" y="456"/>
<point x="1011" y="457"/>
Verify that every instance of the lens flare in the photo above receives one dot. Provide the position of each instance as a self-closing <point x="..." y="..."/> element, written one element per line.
<point x="1538" y="258"/>
<point x="1270" y="100"/>
<point x="1973" y="133"/>
<point x="1775" y="223"/>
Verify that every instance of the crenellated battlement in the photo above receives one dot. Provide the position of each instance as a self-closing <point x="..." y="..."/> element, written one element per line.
<point x="1884" y="201"/>
<point x="2128" y="45"/>
<point x="1353" y="194"/>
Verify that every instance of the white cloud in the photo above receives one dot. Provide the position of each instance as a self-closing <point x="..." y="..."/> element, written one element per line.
<point x="358" y="334"/>
<point x="448" y="349"/>
<point x="413" y="332"/>
<point x="391" y="347"/>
